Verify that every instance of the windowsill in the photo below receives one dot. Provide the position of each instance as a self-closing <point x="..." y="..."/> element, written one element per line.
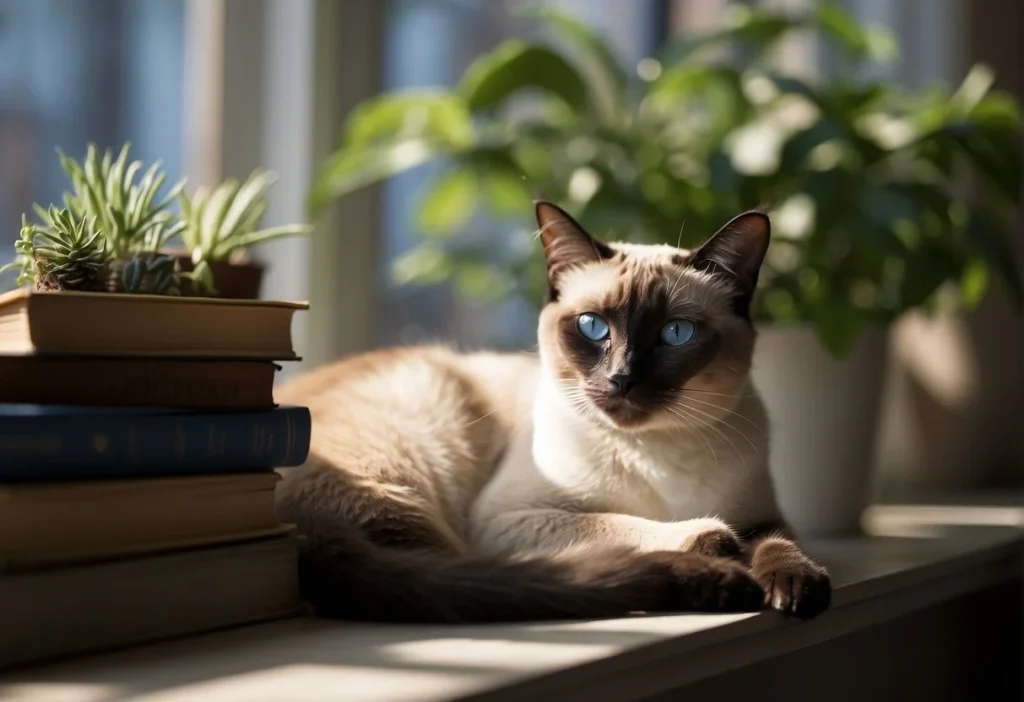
<point x="898" y="571"/>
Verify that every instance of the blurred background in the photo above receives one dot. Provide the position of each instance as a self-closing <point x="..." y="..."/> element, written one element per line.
<point x="215" y="88"/>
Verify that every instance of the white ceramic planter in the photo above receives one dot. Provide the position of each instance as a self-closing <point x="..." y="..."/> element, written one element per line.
<point x="824" y="415"/>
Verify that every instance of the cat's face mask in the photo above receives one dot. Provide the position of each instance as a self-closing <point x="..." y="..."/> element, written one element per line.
<point x="644" y="337"/>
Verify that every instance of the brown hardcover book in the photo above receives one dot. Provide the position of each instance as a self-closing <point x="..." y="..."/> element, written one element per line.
<point x="66" y="611"/>
<point x="137" y="382"/>
<point x="109" y="324"/>
<point x="47" y="524"/>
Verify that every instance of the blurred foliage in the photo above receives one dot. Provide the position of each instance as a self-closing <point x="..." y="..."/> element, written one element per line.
<point x="884" y="198"/>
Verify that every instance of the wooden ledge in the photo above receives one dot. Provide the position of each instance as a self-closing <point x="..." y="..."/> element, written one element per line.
<point x="878" y="579"/>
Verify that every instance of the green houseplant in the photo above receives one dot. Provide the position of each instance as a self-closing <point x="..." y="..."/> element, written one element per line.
<point x="135" y="224"/>
<point x="220" y="225"/>
<point x="875" y="212"/>
<point x="885" y="199"/>
<point x="114" y="234"/>
<point x="109" y="235"/>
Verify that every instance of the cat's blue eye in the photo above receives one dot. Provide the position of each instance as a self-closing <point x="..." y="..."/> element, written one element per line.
<point x="677" y="332"/>
<point x="592" y="327"/>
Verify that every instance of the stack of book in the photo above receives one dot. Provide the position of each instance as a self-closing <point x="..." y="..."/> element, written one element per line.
<point x="138" y="441"/>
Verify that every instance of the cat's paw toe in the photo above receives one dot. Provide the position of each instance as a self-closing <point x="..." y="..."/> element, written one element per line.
<point x="802" y="590"/>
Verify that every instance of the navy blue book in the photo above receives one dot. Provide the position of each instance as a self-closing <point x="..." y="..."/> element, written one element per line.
<point x="65" y="443"/>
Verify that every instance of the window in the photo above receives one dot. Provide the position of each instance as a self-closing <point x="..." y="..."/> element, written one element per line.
<point x="72" y="72"/>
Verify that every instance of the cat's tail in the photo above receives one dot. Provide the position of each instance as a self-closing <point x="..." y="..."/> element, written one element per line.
<point x="345" y="576"/>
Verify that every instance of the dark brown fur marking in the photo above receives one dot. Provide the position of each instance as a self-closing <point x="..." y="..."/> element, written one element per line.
<point x="345" y="576"/>
<point x="636" y="313"/>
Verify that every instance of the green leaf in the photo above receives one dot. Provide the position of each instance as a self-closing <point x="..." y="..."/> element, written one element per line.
<point x="216" y="211"/>
<point x="348" y="170"/>
<point x="131" y="276"/>
<point x="988" y="235"/>
<point x="243" y="241"/>
<point x="973" y="283"/>
<point x="837" y="323"/>
<point x="796" y="86"/>
<point x="754" y="30"/>
<point x="388" y="135"/>
<point x="997" y="109"/>
<point x="481" y="282"/>
<point x="858" y="41"/>
<point x="514" y="66"/>
<point x="994" y="152"/>
<point x="800" y="144"/>
<point x="926" y="269"/>
<point x="249" y="194"/>
<point x="424" y="265"/>
<point x="449" y="202"/>
<point x="505" y="193"/>
<point x="595" y="47"/>
<point x="202" y="278"/>
<point x="410" y="114"/>
<point x="886" y="205"/>
<point x="718" y="90"/>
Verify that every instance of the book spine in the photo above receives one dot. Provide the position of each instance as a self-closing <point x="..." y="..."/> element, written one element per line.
<point x="133" y="383"/>
<point x="61" y="447"/>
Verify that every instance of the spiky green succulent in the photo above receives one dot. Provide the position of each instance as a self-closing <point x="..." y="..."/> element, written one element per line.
<point x="128" y="226"/>
<point x="126" y="212"/>
<point x="65" y="252"/>
<point x="147" y="273"/>
<point x="225" y="220"/>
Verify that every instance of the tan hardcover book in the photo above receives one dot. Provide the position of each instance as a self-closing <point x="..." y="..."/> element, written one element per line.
<point x="66" y="611"/>
<point x="44" y="524"/>
<point x="137" y="382"/>
<point x="109" y="324"/>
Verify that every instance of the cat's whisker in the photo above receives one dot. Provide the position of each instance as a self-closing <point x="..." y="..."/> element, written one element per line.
<point x="717" y="394"/>
<point x="717" y="431"/>
<point x="727" y="411"/>
<point x="692" y="423"/>
<point x="735" y="429"/>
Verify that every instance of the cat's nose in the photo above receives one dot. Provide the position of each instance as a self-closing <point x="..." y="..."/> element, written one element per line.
<point x="622" y="383"/>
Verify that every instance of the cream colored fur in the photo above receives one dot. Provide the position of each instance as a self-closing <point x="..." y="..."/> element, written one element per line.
<point x="567" y="480"/>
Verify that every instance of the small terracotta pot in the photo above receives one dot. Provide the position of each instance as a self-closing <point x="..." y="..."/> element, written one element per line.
<point x="235" y="280"/>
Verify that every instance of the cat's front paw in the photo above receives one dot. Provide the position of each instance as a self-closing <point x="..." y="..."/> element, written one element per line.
<point x="792" y="582"/>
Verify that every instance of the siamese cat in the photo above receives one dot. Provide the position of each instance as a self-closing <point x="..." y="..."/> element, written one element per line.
<point x="621" y="469"/>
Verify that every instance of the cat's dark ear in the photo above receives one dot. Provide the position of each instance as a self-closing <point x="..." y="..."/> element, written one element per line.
<point x="566" y="243"/>
<point x="736" y="251"/>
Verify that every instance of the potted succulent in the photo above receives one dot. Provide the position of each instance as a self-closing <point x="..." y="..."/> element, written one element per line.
<point x="219" y="227"/>
<point x="108" y="236"/>
<point x="885" y="199"/>
<point x="63" y="254"/>
<point x="114" y="233"/>
<point x="134" y="223"/>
